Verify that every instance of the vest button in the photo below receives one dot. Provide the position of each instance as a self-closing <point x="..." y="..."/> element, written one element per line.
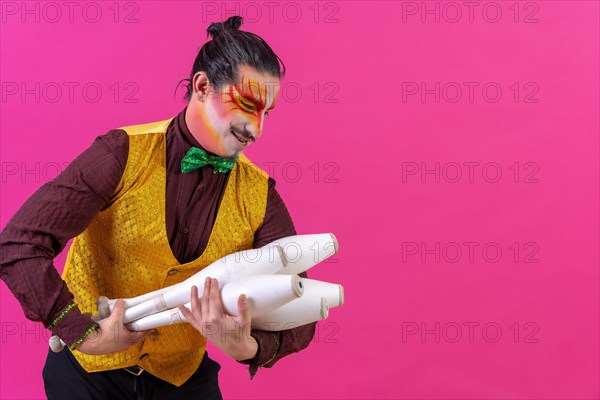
<point x="144" y="356"/>
<point x="186" y="230"/>
<point x="172" y="272"/>
<point x="154" y="335"/>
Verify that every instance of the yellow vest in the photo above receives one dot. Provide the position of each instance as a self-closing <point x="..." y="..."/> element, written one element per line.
<point x="125" y="251"/>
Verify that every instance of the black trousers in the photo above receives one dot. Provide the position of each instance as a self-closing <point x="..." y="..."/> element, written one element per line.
<point x="65" y="379"/>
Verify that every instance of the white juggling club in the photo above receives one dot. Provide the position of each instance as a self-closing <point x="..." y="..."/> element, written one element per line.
<point x="264" y="294"/>
<point x="302" y="311"/>
<point x="134" y="301"/>
<point x="300" y="253"/>
<point x="303" y="252"/>
<point x="227" y="269"/>
<point x="333" y="292"/>
<point x="288" y="256"/>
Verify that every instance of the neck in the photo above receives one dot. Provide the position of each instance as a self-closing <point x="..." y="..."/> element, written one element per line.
<point x="198" y="131"/>
<point x="193" y="127"/>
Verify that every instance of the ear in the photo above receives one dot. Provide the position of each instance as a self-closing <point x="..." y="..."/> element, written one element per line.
<point x="200" y="83"/>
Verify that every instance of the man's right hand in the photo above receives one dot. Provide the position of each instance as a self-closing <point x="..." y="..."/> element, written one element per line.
<point x="111" y="336"/>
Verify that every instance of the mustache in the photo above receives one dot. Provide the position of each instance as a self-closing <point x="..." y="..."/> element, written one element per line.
<point x="243" y="132"/>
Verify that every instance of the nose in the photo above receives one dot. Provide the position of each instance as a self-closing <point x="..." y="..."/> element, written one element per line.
<point x="256" y="126"/>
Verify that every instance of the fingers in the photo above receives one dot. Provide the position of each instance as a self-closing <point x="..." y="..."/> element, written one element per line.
<point x="204" y="300"/>
<point x="189" y="317"/>
<point x="216" y="308"/>
<point x="195" y="315"/>
<point x="196" y="308"/>
<point x="118" y="311"/>
<point x="243" y="310"/>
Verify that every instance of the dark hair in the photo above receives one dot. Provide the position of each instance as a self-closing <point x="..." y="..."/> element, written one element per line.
<point x="228" y="49"/>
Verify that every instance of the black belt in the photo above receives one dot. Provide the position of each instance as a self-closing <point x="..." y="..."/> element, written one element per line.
<point x="135" y="370"/>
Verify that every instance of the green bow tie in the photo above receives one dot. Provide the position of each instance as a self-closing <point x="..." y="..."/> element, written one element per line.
<point x="196" y="158"/>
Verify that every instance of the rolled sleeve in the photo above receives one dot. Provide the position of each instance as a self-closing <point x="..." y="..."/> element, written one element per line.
<point x="58" y="211"/>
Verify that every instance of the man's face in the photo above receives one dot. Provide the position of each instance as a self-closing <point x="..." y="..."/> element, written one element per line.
<point x="233" y="117"/>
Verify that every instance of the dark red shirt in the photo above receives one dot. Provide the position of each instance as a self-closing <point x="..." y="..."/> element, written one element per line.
<point x="62" y="208"/>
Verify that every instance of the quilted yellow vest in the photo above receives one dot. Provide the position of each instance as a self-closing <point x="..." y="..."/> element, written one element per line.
<point x="125" y="251"/>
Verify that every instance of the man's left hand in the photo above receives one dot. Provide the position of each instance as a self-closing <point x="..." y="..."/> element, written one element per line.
<point x="230" y="334"/>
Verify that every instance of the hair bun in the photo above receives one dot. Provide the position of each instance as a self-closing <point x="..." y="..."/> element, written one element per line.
<point x="217" y="28"/>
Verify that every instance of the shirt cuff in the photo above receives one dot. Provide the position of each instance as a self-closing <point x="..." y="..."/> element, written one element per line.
<point x="268" y="347"/>
<point x="70" y="325"/>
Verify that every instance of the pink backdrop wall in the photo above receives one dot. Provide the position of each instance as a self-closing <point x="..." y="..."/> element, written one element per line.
<point x="452" y="150"/>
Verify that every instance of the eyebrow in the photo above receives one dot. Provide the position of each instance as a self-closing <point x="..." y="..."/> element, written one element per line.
<point x="249" y="97"/>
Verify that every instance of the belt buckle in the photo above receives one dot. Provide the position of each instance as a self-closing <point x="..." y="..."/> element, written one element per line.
<point x="135" y="370"/>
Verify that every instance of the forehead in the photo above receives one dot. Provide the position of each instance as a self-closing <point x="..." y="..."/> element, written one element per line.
<point x="256" y="84"/>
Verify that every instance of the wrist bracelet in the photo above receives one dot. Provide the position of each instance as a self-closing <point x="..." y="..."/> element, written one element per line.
<point x="61" y="315"/>
<point x="85" y="334"/>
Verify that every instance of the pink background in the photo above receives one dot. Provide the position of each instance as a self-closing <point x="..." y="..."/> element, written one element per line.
<point x="365" y="139"/>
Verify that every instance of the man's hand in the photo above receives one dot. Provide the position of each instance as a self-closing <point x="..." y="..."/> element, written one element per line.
<point x="230" y="334"/>
<point x="111" y="336"/>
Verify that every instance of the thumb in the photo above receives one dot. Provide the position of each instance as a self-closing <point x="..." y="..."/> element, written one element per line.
<point x="243" y="309"/>
<point x="118" y="311"/>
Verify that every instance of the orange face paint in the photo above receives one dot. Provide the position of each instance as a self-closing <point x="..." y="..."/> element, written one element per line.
<point x="250" y="97"/>
<point x="211" y="131"/>
<point x="236" y="112"/>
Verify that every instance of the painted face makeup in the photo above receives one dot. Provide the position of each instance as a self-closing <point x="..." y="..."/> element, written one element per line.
<point x="233" y="118"/>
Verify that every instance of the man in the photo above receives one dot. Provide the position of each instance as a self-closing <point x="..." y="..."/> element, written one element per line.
<point x="149" y="206"/>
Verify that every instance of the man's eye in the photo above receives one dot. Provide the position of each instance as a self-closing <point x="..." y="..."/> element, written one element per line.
<point x="248" y="106"/>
